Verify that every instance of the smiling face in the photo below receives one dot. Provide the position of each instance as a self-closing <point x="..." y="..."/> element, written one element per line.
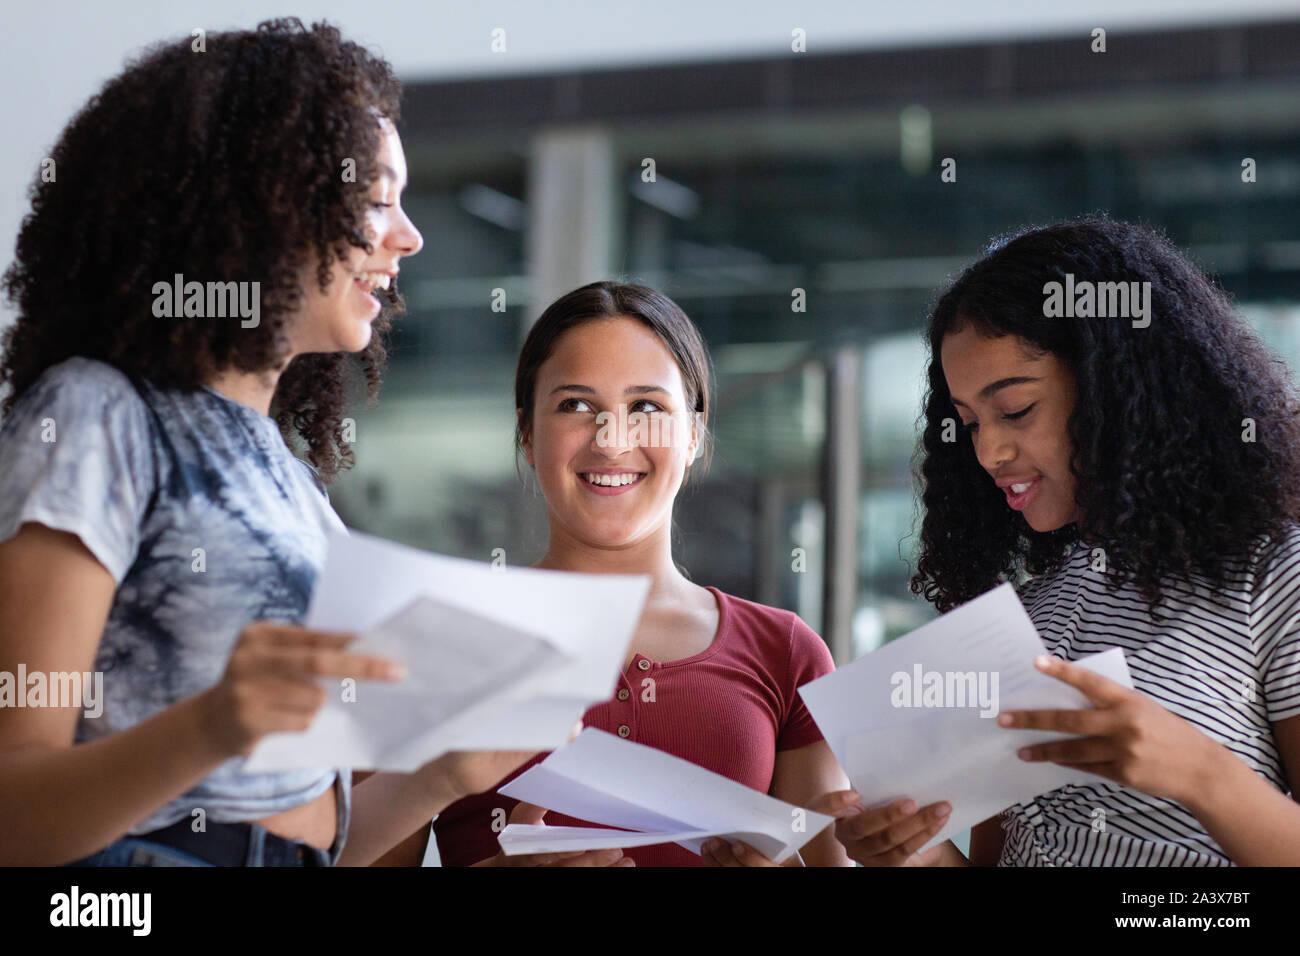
<point x="610" y="486"/>
<point x="339" y="319"/>
<point x="1016" y="406"/>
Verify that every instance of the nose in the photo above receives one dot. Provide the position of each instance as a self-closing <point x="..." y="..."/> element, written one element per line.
<point x="993" y="448"/>
<point x="612" y="437"/>
<point x="404" y="237"/>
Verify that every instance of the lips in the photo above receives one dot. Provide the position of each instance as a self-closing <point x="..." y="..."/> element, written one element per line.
<point x="1020" y="491"/>
<point x="611" y="482"/>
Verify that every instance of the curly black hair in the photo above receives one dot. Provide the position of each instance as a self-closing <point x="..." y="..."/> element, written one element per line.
<point x="1165" y="481"/>
<point x="224" y="164"/>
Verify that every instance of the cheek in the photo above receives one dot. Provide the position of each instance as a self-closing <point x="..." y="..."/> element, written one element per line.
<point x="556" y="446"/>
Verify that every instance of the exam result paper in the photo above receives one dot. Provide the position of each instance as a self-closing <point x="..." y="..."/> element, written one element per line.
<point x="497" y="658"/>
<point x="917" y="718"/>
<point x="659" y="798"/>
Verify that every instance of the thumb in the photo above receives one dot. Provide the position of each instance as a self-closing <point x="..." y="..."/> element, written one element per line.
<point x="577" y="729"/>
<point x="527" y="813"/>
<point x="839" y="803"/>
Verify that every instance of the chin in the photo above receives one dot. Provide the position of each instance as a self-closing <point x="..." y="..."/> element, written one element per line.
<point x="356" y="338"/>
<point x="1045" y="526"/>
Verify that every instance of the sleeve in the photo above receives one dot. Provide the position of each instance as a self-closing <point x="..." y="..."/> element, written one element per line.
<point x="810" y="659"/>
<point x="1275" y="628"/>
<point x="78" y="457"/>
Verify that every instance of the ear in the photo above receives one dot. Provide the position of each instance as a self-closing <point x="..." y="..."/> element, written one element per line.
<point x="526" y="440"/>
<point x="693" y="447"/>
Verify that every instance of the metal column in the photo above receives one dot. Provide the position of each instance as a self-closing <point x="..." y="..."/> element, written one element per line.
<point x="841" y="481"/>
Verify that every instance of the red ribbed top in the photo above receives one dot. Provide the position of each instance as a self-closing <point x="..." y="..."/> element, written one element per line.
<point x="729" y="708"/>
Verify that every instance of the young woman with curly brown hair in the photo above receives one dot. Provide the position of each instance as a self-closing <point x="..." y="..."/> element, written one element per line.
<point x="1138" y="477"/>
<point x="156" y="531"/>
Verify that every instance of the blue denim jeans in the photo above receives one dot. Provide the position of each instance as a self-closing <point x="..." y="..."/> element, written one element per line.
<point x="264" y="848"/>
<point x="136" y="851"/>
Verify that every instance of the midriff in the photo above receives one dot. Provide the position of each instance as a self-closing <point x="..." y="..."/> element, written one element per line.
<point x="314" y="822"/>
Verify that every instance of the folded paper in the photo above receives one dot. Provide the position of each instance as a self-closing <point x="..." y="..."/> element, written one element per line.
<point x="652" y="797"/>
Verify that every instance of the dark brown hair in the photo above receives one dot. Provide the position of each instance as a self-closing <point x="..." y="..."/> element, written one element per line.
<point x="612" y="300"/>
<point x="228" y="165"/>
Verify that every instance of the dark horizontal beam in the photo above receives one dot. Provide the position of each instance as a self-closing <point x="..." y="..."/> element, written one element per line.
<point x="807" y="82"/>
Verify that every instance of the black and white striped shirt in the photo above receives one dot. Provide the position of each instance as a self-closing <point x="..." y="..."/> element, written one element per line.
<point x="1224" y="657"/>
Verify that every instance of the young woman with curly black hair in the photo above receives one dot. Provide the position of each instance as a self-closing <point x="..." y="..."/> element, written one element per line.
<point x="1138" y="476"/>
<point x="156" y="532"/>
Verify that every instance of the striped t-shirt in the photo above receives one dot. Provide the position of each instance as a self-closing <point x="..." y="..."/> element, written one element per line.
<point x="1224" y="657"/>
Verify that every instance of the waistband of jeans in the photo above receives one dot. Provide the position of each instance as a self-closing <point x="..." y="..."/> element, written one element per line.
<point x="228" y="844"/>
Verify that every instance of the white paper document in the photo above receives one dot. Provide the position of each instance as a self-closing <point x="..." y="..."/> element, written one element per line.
<point x="605" y="779"/>
<point x="918" y="717"/>
<point x="496" y="658"/>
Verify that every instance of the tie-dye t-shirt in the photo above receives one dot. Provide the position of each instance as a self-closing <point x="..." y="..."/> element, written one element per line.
<point x="206" y="521"/>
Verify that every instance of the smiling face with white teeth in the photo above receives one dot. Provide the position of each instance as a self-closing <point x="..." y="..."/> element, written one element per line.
<point x="339" y="319"/>
<point x="1015" y="403"/>
<point x="606" y="488"/>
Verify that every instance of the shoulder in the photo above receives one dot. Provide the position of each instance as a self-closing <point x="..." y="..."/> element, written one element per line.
<point x="1272" y="566"/>
<point x="90" y="401"/>
<point x="82" y="387"/>
<point x="773" y="629"/>
<point x="1271" y="552"/>
<point x="752" y="616"/>
<point x="81" y="374"/>
<point x="313" y="476"/>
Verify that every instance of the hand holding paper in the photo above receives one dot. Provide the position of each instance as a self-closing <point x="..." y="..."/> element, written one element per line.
<point x="661" y="798"/>
<point x="917" y="717"/>
<point x="497" y="659"/>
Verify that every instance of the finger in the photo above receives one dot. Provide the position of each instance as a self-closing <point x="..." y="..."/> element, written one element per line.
<point x="870" y="822"/>
<point x="909" y="848"/>
<point x="527" y="813"/>
<point x="306" y="663"/>
<point x="293" y="696"/>
<point x="929" y="858"/>
<point x="1088" y="750"/>
<point x="838" y="803"/>
<point x="274" y="633"/>
<point x="573" y="733"/>
<point x="1102" y="691"/>
<point x="722" y="853"/>
<point x="593" y="858"/>
<point x="910" y="832"/>
<point x="748" y="856"/>
<point x="1085" y="723"/>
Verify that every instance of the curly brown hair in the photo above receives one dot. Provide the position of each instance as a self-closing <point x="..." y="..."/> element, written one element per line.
<point x="226" y="164"/>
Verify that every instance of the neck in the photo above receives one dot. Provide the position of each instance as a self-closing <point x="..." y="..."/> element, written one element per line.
<point x="254" y="389"/>
<point x="652" y="556"/>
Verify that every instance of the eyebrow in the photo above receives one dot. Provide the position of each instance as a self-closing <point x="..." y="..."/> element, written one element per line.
<point x="630" y="390"/>
<point x="1000" y="384"/>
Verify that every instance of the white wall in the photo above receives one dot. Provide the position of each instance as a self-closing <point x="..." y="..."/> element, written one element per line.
<point x="56" y="54"/>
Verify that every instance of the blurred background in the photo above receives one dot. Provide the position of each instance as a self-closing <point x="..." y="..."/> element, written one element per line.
<point x="776" y="170"/>
<point x="820" y="172"/>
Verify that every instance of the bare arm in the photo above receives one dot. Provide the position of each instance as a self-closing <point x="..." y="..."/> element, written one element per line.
<point x="986" y="842"/>
<point x="1255" y="824"/>
<point x="390" y="819"/>
<point x="65" y="800"/>
<point x="62" y="802"/>
<point x="800" y="777"/>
